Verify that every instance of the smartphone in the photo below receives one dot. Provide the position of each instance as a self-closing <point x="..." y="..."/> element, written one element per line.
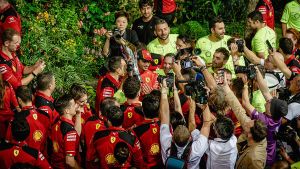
<point x="220" y="77"/>
<point x="269" y="45"/>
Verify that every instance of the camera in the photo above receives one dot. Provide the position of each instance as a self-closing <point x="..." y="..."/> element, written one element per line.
<point x="286" y="134"/>
<point x="189" y="51"/>
<point x="249" y="70"/>
<point x="117" y="34"/>
<point x="169" y="79"/>
<point x="186" y="63"/>
<point x="196" y="89"/>
<point x="240" y="44"/>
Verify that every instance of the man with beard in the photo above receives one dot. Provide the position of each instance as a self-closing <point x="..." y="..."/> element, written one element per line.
<point x="165" y="42"/>
<point x="208" y="44"/>
<point x="144" y="26"/>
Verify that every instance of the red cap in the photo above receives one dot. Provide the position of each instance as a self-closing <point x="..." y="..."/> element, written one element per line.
<point x="144" y="54"/>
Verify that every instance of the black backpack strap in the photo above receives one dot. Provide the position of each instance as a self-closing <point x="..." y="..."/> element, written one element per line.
<point x="127" y="137"/>
<point x="187" y="151"/>
<point x="43" y="113"/>
<point x="7" y="62"/>
<point x="31" y="151"/>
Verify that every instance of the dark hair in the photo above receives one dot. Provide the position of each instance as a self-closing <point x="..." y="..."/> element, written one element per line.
<point x="150" y="105"/>
<point x="237" y="87"/>
<point x="156" y="93"/>
<point x="143" y="3"/>
<point x="106" y="104"/>
<point x="258" y="131"/>
<point x="212" y="23"/>
<point x="63" y="103"/>
<point x="121" y="152"/>
<point x="77" y="91"/>
<point x="256" y="16"/>
<point x="286" y="45"/>
<point x="44" y="80"/>
<point x="114" y="63"/>
<point x="131" y="87"/>
<point x="224" y="51"/>
<point x="186" y="39"/>
<point x="171" y="55"/>
<point x="160" y="21"/>
<point x="115" y="115"/>
<point x="176" y="119"/>
<point x="20" y="128"/>
<point x="8" y="35"/>
<point x="224" y="127"/>
<point x="24" y="93"/>
<point x="121" y="14"/>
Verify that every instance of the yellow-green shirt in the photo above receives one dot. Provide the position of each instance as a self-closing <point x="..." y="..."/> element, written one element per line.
<point x="209" y="47"/>
<point x="155" y="47"/>
<point x="258" y="101"/>
<point x="291" y="15"/>
<point x="258" y="42"/>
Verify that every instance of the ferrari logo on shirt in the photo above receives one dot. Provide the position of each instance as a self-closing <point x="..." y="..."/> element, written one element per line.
<point x="37" y="135"/>
<point x="147" y="79"/>
<point x="82" y="121"/>
<point x="110" y="159"/>
<point x="55" y="146"/>
<point x="130" y="115"/>
<point x="154" y="130"/>
<point x="34" y="116"/>
<point x="16" y="153"/>
<point x="56" y="127"/>
<point x="112" y="139"/>
<point x="98" y="126"/>
<point x="156" y="61"/>
<point x="154" y="149"/>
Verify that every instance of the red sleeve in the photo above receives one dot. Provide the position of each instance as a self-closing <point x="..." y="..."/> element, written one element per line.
<point x="41" y="162"/>
<point x="137" y="154"/>
<point x="8" y="76"/>
<point x="70" y="140"/>
<point x="13" y="97"/>
<point x="12" y="22"/>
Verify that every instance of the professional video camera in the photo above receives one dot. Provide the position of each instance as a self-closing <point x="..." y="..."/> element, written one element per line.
<point x="239" y="43"/>
<point x="169" y="79"/>
<point x="196" y="89"/>
<point x="286" y="134"/>
<point x="187" y="63"/>
<point x="249" y="70"/>
<point x="117" y="34"/>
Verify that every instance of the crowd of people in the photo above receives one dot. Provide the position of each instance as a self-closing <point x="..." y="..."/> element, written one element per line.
<point x="163" y="100"/>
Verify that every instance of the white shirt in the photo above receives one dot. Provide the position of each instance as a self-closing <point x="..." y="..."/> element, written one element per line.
<point x="221" y="154"/>
<point x="293" y="111"/>
<point x="199" y="146"/>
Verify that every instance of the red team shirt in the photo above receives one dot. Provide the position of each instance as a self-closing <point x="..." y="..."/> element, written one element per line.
<point x="6" y="113"/>
<point x="9" y="19"/>
<point x="36" y="137"/>
<point x="12" y="153"/>
<point x="265" y="7"/>
<point x="148" y="134"/>
<point x="65" y="141"/>
<point x="133" y="114"/>
<point x="11" y="69"/>
<point x="105" y="142"/>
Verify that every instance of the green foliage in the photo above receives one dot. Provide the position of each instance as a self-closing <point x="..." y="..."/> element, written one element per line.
<point x="193" y="29"/>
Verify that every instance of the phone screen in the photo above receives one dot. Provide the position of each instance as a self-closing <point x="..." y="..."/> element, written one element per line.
<point x="220" y="77"/>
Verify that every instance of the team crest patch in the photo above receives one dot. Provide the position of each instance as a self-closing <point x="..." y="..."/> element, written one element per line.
<point x="82" y="121"/>
<point x="110" y="159"/>
<point x="56" y="127"/>
<point x="16" y="153"/>
<point x="130" y="115"/>
<point x="154" y="149"/>
<point x="34" y="116"/>
<point x="98" y="126"/>
<point x="112" y="139"/>
<point x="37" y="135"/>
<point x="156" y="61"/>
<point x="147" y="79"/>
<point x="154" y="130"/>
<point x="55" y="146"/>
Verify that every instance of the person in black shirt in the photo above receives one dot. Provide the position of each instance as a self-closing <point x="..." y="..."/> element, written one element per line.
<point x="144" y="26"/>
<point x="117" y="39"/>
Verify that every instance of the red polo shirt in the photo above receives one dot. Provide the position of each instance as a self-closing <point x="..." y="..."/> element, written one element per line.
<point x="11" y="69"/>
<point x="11" y="154"/>
<point x="92" y="125"/>
<point x="6" y="113"/>
<point x="107" y="86"/>
<point x="148" y="134"/>
<point x="133" y="114"/>
<point x="9" y="19"/>
<point x="65" y="141"/>
<point x="105" y="142"/>
<point x="36" y="138"/>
